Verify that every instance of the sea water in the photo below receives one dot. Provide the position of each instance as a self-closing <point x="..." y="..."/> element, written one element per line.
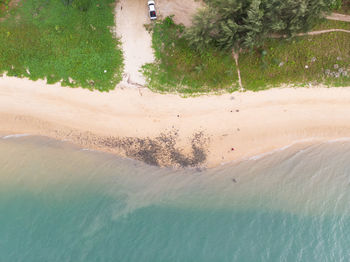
<point x="62" y="203"/>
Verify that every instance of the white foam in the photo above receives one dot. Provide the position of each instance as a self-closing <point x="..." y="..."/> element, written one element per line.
<point x="90" y="150"/>
<point x="342" y="139"/>
<point x="14" y="136"/>
<point x="256" y="157"/>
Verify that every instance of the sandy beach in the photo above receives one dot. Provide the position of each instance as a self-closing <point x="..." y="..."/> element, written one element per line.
<point x="169" y="130"/>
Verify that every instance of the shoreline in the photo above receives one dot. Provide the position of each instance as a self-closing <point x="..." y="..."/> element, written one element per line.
<point x="297" y="145"/>
<point x="167" y="130"/>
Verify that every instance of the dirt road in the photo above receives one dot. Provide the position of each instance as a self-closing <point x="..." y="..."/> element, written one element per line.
<point x="136" y="41"/>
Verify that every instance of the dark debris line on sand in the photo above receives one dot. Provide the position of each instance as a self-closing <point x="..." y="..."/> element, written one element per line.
<point x="161" y="150"/>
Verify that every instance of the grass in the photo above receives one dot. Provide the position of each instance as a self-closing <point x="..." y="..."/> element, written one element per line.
<point x="332" y="24"/>
<point x="178" y="68"/>
<point x="72" y="44"/>
<point x="300" y="61"/>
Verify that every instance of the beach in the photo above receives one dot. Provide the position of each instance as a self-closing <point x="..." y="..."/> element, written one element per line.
<point x="169" y="130"/>
<point x="105" y="165"/>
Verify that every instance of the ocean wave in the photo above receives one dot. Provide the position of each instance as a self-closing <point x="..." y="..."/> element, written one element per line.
<point x="256" y="157"/>
<point x="342" y="139"/>
<point x="88" y="149"/>
<point x="14" y="136"/>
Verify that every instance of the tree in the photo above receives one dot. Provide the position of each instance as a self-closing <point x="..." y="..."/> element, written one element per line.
<point x="291" y="17"/>
<point x="227" y="24"/>
<point x="241" y="25"/>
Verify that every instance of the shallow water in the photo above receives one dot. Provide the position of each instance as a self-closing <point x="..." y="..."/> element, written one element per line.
<point x="61" y="203"/>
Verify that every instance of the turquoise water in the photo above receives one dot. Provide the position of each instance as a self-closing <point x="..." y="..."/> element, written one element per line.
<point x="61" y="203"/>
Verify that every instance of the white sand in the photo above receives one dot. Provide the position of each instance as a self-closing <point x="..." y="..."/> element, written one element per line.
<point x="266" y="120"/>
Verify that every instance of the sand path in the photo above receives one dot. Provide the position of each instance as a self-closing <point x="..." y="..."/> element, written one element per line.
<point x="319" y="32"/>
<point x="136" y="41"/>
<point x="339" y="17"/>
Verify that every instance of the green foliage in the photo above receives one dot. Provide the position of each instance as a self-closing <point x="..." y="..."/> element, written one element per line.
<point x="291" y="17"/>
<point x="4" y="6"/>
<point x="279" y="61"/>
<point x="62" y="40"/>
<point x="201" y="34"/>
<point x="4" y="3"/>
<point x="236" y="24"/>
<point x="179" y="68"/>
<point x="299" y="61"/>
<point x="82" y="5"/>
<point x="336" y="4"/>
<point x="341" y="6"/>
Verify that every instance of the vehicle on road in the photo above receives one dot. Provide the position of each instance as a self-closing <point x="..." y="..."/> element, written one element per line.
<point x="152" y="10"/>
